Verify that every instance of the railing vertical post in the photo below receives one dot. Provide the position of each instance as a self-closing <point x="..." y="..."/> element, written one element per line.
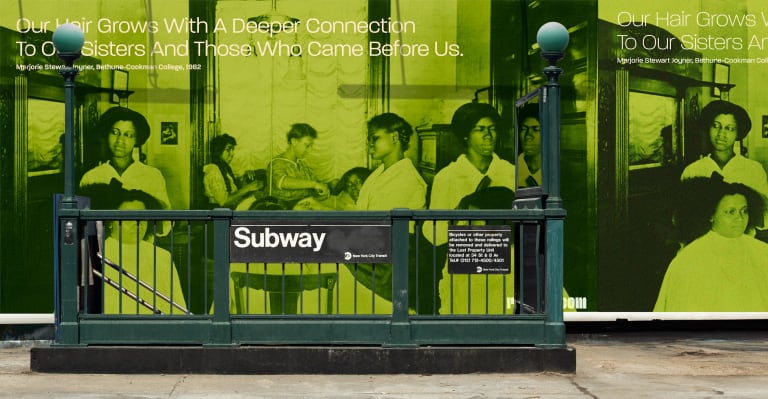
<point x="68" y="40"/>
<point x="400" y="328"/>
<point x="68" y="331"/>
<point x="553" y="40"/>
<point x="221" y="330"/>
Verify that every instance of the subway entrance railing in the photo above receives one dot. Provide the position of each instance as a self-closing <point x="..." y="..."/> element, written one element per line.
<point x="182" y="288"/>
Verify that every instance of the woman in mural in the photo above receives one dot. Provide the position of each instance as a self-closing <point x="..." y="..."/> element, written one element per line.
<point x="724" y="269"/>
<point x="726" y="122"/>
<point x="130" y="254"/>
<point x="290" y="178"/>
<point x="347" y="190"/>
<point x="123" y="130"/>
<point x="529" y="161"/>
<point x="478" y="167"/>
<point x="395" y="183"/>
<point x="344" y="194"/>
<point x="218" y="178"/>
<point x="476" y="125"/>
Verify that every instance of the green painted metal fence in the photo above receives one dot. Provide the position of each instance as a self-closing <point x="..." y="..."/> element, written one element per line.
<point x="107" y="297"/>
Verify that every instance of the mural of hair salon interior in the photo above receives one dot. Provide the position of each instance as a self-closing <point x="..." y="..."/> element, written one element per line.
<point x="255" y="98"/>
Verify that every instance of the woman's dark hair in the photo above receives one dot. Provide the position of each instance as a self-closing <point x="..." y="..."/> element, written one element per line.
<point x="359" y="171"/>
<point x="466" y="117"/>
<point x="720" y="107"/>
<point x="267" y="203"/>
<point x="300" y="130"/>
<point x="218" y="144"/>
<point x="116" y="114"/>
<point x="392" y="123"/>
<point x="529" y="110"/>
<point x="495" y="197"/>
<point x="110" y="196"/>
<point x="700" y="198"/>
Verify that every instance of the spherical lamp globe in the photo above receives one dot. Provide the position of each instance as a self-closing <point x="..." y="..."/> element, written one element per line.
<point x="68" y="38"/>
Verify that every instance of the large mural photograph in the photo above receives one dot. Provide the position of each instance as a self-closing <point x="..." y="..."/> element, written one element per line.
<point x="373" y="105"/>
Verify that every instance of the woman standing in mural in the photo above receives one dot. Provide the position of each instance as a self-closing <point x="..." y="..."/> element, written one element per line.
<point x="290" y="178"/>
<point x="123" y="130"/>
<point x="478" y="167"/>
<point x="724" y="269"/>
<point x="725" y="123"/>
<point x="218" y="178"/>
<point x="395" y="183"/>
<point x="529" y="161"/>
<point x="476" y="125"/>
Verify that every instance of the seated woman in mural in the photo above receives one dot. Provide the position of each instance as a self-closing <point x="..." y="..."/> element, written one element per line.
<point x="344" y="194"/>
<point x="219" y="180"/>
<point x="131" y="255"/>
<point x="723" y="269"/>
<point x="724" y="123"/>
<point x="529" y="160"/>
<point x="290" y="178"/>
<point x="347" y="190"/>
<point x="124" y="129"/>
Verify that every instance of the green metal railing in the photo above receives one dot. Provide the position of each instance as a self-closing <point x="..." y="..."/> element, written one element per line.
<point x="404" y="325"/>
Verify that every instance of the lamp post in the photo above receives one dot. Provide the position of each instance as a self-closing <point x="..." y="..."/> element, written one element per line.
<point x="68" y="40"/>
<point x="553" y="39"/>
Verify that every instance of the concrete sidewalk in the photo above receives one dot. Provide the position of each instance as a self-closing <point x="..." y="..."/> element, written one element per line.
<point x="612" y="365"/>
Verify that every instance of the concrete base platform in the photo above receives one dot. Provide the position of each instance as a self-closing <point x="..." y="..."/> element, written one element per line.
<point x="300" y="360"/>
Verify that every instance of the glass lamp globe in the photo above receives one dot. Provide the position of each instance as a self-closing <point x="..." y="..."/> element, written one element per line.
<point x="68" y="38"/>
<point x="552" y="37"/>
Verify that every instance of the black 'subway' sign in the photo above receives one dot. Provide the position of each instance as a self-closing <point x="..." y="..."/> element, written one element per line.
<point x="363" y="241"/>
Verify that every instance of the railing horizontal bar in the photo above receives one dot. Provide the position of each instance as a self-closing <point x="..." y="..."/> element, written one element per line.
<point x="144" y="318"/>
<point x="305" y="215"/>
<point x="507" y="332"/>
<point x="311" y="332"/>
<point x="431" y="214"/>
<point x="149" y="214"/>
<point x="143" y="331"/>
<point x="510" y="214"/>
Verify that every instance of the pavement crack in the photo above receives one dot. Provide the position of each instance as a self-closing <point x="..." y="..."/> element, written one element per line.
<point x="176" y="385"/>
<point x="582" y="389"/>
